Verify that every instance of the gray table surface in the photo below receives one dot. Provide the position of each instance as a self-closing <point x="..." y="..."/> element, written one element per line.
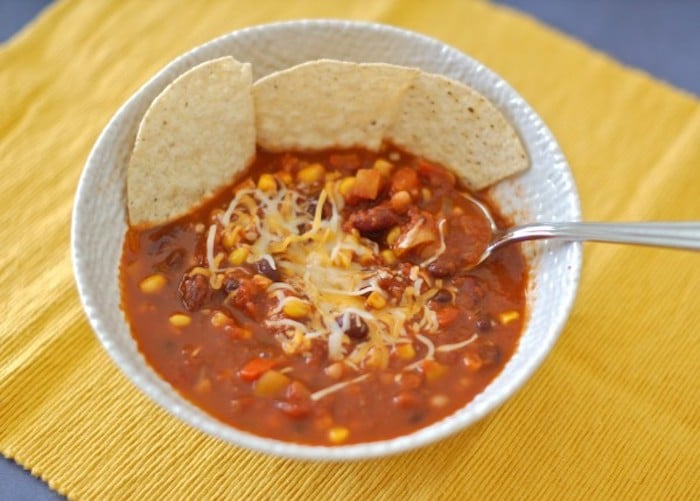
<point x="661" y="37"/>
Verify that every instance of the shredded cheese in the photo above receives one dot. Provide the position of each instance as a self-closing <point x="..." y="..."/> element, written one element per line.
<point x="321" y="265"/>
<point x="430" y="345"/>
<point x="338" y="386"/>
<point x="456" y="346"/>
<point x="441" y="249"/>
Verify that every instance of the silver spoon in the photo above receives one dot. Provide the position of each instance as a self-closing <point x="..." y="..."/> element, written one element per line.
<point x="677" y="235"/>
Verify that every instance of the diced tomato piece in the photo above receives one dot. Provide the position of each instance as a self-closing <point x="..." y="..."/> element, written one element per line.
<point x="255" y="368"/>
<point x="404" y="179"/>
<point x="447" y="315"/>
<point x="367" y="184"/>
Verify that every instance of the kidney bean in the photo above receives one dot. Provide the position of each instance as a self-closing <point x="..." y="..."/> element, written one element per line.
<point x="374" y="219"/>
<point x="193" y="292"/>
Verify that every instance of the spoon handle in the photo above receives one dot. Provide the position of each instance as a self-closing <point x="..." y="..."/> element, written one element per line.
<point x="679" y="235"/>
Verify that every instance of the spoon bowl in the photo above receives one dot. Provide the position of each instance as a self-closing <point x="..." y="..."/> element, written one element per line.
<point x="670" y="234"/>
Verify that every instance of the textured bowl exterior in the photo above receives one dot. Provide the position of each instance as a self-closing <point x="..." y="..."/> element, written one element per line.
<point x="546" y="192"/>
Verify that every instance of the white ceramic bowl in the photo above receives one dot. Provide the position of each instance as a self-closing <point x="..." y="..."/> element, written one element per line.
<point x="545" y="192"/>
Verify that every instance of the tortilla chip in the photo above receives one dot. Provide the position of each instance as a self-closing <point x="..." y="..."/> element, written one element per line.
<point x="196" y="136"/>
<point x="328" y="104"/>
<point x="447" y="122"/>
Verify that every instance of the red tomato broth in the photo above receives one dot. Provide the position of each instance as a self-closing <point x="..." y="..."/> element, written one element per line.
<point x="209" y="365"/>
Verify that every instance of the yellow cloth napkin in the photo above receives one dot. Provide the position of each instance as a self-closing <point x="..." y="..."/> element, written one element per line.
<point x="613" y="412"/>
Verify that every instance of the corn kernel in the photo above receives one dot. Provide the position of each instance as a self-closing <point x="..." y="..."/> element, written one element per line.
<point x="231" y="238"/>
<point x="267" y="183"/>
<point x="238" y="256"/>
<point x="401" y="201"/>
<point x="377" y="358"/>
<point x="180" y="320"/>
<point x="271" y="383"/>
<point x="508" y="316"/>
<point x="346" y="185"/>
<point x="383" y="166"/>
<point x="152" y="284"/>
<point x="427" y="194"/>
<point x="311" y="173"/>
<point x="296" y="308"/>
<point x="405" y="351"/>
<point x="219" y="319"/>
<point x="376" y="300"/>
<point x="338" y="434"/>
<point x="393" y="235"/>
<point x="388" y="257"/>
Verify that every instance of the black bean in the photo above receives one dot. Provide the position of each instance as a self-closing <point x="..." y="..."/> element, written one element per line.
<point x="231" y="284"/>
<point x="357" y="327"/>
<point x="270" y="271"/>
<point x="443" y="296"/>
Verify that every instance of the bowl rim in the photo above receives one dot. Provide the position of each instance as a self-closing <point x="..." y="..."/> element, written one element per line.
<point x="421" y="437"/>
